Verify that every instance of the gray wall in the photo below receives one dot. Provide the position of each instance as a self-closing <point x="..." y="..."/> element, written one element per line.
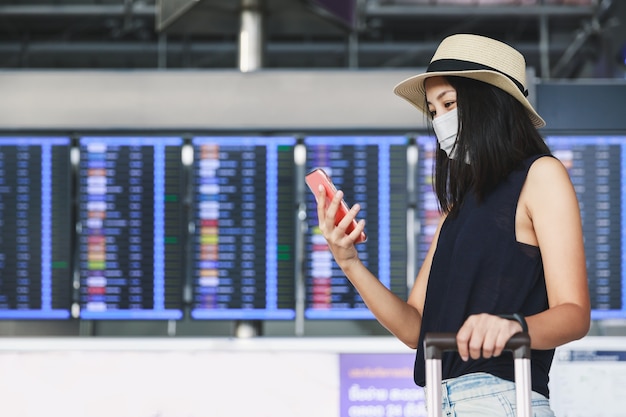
<point x="217" y="100"/>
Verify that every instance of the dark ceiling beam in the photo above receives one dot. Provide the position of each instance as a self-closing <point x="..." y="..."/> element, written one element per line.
<point x="77" y="10"/>
<point x="378" y="48"/>
<point x="372" y="9"/>
<point x="411" y="12"/>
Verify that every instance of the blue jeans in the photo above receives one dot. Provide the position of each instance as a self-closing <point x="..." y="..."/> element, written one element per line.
<point x="484" y="395"/>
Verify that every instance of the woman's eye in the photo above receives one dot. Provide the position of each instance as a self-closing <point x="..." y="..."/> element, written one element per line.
<point x="432" y="113"/>
<point x="450" y="104"/>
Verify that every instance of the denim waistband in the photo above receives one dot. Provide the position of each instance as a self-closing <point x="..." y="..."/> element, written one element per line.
<point x="475" y="393"/>
<point x="474" y="385"/>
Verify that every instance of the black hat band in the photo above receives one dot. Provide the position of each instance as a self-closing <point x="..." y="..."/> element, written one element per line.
<point x="445" y="65"/>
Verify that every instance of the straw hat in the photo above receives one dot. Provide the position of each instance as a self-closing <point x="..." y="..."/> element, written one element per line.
<point x="476" y="57"/>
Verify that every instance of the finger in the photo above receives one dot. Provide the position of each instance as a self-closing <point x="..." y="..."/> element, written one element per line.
<point x="476" y="344"/>
<point x="500" y="343"/>
<point x="335" y="202"/>
<point x="462" y="341"/>
<point x="331" y="211"/>
<point x="358" y="230"/>
<point x="471" y="336"/>
<point x="489" y="345"/>
<point x="349" y="217"/>
<point x="508" y="329"/>
<point x="321" y="204"/>
<point x="326" y="212"/>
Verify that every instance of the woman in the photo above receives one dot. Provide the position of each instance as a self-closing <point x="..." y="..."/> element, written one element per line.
<point x="508" y="252"/>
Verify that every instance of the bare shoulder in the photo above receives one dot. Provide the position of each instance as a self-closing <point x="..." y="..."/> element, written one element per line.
<point x="548" y="185"/>
<point x="548" y="172"/>
<point x="547" y="165"/>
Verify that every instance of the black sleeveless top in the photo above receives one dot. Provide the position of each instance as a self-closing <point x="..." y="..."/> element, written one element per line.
<point x="479" y="267"/>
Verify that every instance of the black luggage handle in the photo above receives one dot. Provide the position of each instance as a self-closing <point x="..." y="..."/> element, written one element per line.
<point x="436" y="343"/>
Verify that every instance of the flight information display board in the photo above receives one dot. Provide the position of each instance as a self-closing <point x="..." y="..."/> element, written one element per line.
<point x="596" y="166"/>
<point x="371" y="171"/>
<point x="427" y="213"/>
<point x="35" y="228"/>
<point x="244" y="214"/>
<point x="131" y="239"/>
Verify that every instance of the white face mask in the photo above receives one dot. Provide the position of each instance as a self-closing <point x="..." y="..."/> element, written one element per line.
<point x="446" y="129"/>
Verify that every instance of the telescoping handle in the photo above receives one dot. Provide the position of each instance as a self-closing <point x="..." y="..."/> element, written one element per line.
<point x="436" y="343"/>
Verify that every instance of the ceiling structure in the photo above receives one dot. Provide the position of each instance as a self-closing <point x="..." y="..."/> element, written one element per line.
<point x="572" y="40"/>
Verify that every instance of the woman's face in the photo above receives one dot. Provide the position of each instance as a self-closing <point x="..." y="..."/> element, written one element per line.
<point x="440" y="96"/>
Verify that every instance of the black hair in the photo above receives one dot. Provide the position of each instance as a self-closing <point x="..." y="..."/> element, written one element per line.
<point x="495" y="135"/>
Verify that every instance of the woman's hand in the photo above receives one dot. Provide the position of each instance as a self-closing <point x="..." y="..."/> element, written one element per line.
<point x="485" y="335"/>
<point x="401" y="318"/>
<point x="341" y="245"/>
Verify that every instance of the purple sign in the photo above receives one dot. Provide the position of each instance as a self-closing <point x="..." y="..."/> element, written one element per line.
<point x="344" y="10"/>
<point x="379" y="385"/>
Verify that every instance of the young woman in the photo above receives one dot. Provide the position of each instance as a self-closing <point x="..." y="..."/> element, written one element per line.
<point x="508" y="252"/>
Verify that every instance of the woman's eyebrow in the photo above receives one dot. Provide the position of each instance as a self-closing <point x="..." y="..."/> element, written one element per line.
<point x="444" y="92"/>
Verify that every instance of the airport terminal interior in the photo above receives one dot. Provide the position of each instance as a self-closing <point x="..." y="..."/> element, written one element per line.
<point x="560" y="39"/>
<point x="126" y="124"/>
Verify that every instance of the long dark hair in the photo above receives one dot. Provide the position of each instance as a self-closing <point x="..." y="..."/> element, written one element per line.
<point x="495" y="136"/>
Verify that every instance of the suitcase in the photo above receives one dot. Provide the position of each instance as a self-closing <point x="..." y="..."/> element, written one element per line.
<point x="436" y="343"/>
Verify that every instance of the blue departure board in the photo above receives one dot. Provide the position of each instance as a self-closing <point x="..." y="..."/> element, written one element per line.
<point x="428" y="214"/>
<point x="597" y="168"/>
<point x="35" y="228"/>
<point x="243" y="241"/>
<point x="132" y="230"/>
<point x="371" y="171"/>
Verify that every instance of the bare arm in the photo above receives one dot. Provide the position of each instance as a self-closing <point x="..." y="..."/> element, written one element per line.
<point x="403" y="319"/>
<point x="555" y="214"/>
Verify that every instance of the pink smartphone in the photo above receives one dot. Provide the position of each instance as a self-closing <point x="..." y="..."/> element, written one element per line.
<point x="314" y="179"/>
